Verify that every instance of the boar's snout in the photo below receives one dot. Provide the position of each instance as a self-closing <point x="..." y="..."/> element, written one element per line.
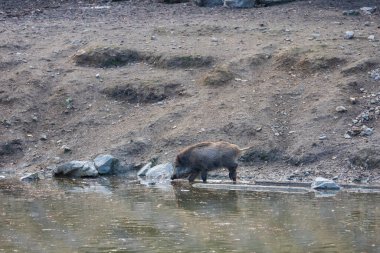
<point x="181" y="172"/>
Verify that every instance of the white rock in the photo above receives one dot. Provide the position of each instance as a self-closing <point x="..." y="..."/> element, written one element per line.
<point x="341" y="109"/>
<point x="368" y="10"/>
<point x="349" y="35"/>
<point x="371" y="38"/>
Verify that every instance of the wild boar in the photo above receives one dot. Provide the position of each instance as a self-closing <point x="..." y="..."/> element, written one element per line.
<point x="207" y="156"/>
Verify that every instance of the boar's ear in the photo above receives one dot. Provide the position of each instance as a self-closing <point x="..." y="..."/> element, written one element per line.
<point x="178" y="161"/>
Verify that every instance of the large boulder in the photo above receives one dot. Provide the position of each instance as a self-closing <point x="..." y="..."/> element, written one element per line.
<point x="321" y="183"/>
<point x="159" y="173"/>
<point x="76" y="169"/>
<point x="106" y="164"/>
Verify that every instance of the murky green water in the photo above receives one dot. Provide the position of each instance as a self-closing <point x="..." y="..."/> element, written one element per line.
<point x="110" y="215"/>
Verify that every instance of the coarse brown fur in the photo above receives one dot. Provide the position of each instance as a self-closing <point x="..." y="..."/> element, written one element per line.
<point x="206" y="156"/>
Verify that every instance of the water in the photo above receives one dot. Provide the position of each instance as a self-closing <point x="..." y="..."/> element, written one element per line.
<point x="112" y="215"/>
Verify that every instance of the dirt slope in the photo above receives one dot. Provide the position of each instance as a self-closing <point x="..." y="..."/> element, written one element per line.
<point x="141" y="80"/>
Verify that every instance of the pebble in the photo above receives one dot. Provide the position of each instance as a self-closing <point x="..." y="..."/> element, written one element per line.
<point x="353" y="100"/>
<point x="322" y="137"/>
<point x="371" y="38"/>
<point x="347" y="136"/>
<point x="375" y="74"/>
<point x="341" y="109"/>
<point x="97" y="75"/>
<point x="66" y="149"/>
<point x="366" y="131"/>
<point x="30" y="177"/>
<point x="368" y="10"/>
<point x="213" y="39"/>
<point x="349" y="35"/>
<point x="351" y="13"/>
<point x="43" y="137"/>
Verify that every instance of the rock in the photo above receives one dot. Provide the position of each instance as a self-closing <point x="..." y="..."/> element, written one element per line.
<point x="321" y="183"/>
<point x="366" y="131"/>
<point x="76" y="169"/>
<point x="142" y="172"/>
<point x="354" y="131"/>
<point x="375" y="74"/>
<point x="30" y="177"/>
<point x="349" y="35"/>
<point x="106" y="164"/>
<point x="66" y="149"/>
<point x="43" y="137"/>
<point x="208" y="3"/>
<point x="368" y="10"/>
<point x="347" y="136"/>
<point x="371" y="38"/>
<point x="160" y="173"/>
<point x="353" y="100"/>
<point x="351" y="13"/>
<point x="322" y="137"/>
<point x="240" y="3"/>
<point x="341" y="109"/>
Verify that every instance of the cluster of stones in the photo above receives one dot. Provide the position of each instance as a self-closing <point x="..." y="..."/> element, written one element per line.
<point x="365" y="11"/>
<point x="101" y="165"/>
<point x="372" y="112"/>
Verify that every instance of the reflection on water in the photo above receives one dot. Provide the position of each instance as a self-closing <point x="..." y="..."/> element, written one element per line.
<point x="112" y="215"/>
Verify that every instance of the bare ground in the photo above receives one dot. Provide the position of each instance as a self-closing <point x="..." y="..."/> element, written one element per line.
<point x="141" y="80"/>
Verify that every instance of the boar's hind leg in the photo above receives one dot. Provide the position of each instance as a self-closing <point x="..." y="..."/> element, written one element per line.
<point x="232" y="170"/>
<point x="193" y="175"/>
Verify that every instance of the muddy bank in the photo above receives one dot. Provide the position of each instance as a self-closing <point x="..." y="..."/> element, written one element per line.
<point x="158" y="77"/>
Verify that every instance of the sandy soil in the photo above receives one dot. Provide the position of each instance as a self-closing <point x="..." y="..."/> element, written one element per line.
<point x="141" y="80"/>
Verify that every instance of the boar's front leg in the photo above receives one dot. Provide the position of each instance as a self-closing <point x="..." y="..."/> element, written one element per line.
<point x="204" y="175"/>
<point x="193" y="176"/>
